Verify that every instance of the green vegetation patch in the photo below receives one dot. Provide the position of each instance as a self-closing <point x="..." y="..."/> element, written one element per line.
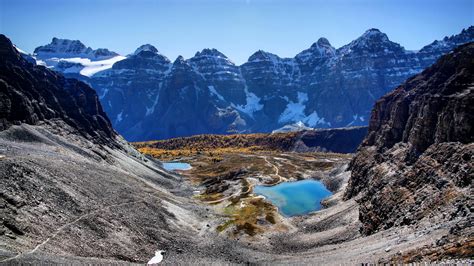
<point x="249" y="219"/>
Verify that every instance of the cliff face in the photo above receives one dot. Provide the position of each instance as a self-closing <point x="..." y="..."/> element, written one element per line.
<point x="31" y="94"/>
<point x="416" y="160"/>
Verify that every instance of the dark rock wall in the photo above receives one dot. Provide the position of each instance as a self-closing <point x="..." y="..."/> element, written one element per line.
<point x="30" y="94"/>
<point x="417" y="156"/>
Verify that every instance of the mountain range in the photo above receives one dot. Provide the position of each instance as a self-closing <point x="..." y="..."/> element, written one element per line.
<point x="146" y="96"/>
<point x="75" y="192"/>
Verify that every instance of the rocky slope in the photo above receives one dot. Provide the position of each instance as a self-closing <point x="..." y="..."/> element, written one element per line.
<point x="416" y="163"/>
<point x="321" y="87"/>
<point x="34" y="94"/>
<point x="70" y="185"/>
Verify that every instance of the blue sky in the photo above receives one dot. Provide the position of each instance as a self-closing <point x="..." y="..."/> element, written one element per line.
<point x="237" y="28"/>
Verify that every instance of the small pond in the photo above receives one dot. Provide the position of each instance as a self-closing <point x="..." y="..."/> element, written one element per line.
<point x="172" y="166"/>
<point x="295" y="198"/>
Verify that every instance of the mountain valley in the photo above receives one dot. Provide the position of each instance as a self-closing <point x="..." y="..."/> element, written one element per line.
<point x="75" y="191"/>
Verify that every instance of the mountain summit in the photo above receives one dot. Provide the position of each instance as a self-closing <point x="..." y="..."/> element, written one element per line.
<point x="65" y="48"/>
<point x="373" y="41"/>
<point x="146" y="47"/>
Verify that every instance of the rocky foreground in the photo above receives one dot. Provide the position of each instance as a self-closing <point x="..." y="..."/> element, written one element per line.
<point x="74" y="192"/>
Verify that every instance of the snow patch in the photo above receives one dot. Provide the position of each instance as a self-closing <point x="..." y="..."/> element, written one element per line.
<point x="355" y="119"/>
<point x="150" y="110"/>
<point x="313" y="119"/>
<point x="296" y="127"/>
<point x="19" y="50"/>
<point x="104" y="92"/>
<point x="252" y="105"/>
<point x="119" y="117"/>
<point x="294" y="112"/>
<point x="88" y="68"/>
<point x="215" y="93"/>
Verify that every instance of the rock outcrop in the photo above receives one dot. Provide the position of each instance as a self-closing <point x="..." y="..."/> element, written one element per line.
<point x="416" y="161"/>
<point x="32" y="94"/>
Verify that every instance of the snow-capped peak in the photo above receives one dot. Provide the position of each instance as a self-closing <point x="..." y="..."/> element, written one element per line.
<point x="445" y="45"/>
<point x="374" y="34"/>
<point x="146" y="47"/>
<point x="372" y="41"/>
<point x="319" y="49"/>
<point x="64" y="48"/>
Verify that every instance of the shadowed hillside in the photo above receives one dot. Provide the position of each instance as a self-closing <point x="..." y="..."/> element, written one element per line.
<point x="344" y="140"/>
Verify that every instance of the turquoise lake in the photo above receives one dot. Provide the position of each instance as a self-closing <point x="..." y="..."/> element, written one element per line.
<point x="295" y="198"/>
<point x="172" y="166"/>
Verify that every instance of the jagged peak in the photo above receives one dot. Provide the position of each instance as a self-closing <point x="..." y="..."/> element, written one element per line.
<point x="322" y="42"/>
<point x="319" y="49"/>
<point x="68" y="48"/>
<point x="210" y="52"/>
<point x="372" y="41"/>
<point x="59" y="41"/>
<point x="449" y="42"/>
<point x="146" y="47"/>
<point x="467" y="33"/>
<point x="375" y="35"/>
<point x="181" y="65"/>
<point x="62" y="45"/>
<point x="469" y="29"/>
<point x="261" y="55"/>
<point x="179" y="60"/>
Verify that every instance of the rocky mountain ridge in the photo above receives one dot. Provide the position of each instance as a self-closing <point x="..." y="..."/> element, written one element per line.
<point x="415" y="163"/>
<point x="322" y="86"/>
<point x="65" y="48"/>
